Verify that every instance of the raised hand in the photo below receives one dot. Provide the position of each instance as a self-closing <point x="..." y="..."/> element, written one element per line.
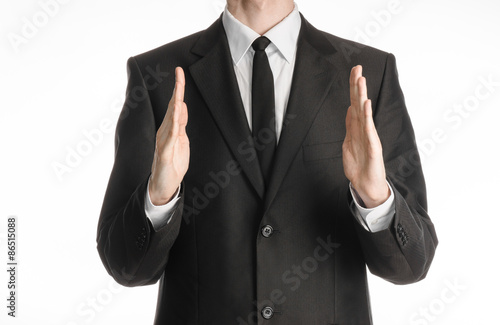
<point x="171" y="158"/>
<point x="362" y="150"/>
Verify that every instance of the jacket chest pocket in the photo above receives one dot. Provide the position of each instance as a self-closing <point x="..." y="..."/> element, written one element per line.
<point x="325" y="150"/>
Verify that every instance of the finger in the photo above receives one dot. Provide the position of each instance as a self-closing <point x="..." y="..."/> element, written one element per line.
<point x="367" y="112"/>
<point x="178" y="101"/>
<point x="371" y="130"/>
<point x="174" y="91"/>
<point x="353" y="82"/>
<point x="362" y="92"/>
<point x="348" y="124"/>
<point x="168" y="117"/>
<point x="183" y="119"/>
<point x="355" y="73"/>
<point x="170" y="125"/>
<point x="168" y="128"/>
<point x="172" y="128"/>
<point x="179" y="85"/>
<point x="177" y="96"/>
<point x="178" y="92"/>
<point x="351" y="85"/>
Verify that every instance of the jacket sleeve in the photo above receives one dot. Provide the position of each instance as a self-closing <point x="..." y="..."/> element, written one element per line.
<point x="132" y="252"/>
<point x="402" y="253"/>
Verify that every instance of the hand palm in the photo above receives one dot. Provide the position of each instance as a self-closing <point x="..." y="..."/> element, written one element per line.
<point x="362" y="150"/>
<point x="171" y="158"/>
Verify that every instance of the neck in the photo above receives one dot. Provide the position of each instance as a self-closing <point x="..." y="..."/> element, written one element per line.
<point x="260" y="15"/>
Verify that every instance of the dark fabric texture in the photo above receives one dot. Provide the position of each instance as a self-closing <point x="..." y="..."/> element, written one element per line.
<point x="214" y="262"/>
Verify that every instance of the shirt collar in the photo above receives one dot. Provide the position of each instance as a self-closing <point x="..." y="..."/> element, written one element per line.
<point x="283" y="35"/>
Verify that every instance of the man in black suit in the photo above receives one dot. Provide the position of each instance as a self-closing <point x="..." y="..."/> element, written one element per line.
<point x="267" y="206"/>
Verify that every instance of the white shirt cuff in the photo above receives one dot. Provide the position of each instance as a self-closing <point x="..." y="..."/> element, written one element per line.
<point x="374" y="219"/>
<point x="160" y="215"/>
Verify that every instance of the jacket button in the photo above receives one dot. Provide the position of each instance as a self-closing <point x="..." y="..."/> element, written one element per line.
<point x="267" y="312"/>
<point x="267" y="231"/>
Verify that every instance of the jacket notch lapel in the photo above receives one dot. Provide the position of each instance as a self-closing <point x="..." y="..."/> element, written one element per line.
<point x="215" y="78"/>
<point x="313" y="77"/>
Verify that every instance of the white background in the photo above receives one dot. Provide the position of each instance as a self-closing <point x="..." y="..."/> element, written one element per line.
<point x="68" y="76"/>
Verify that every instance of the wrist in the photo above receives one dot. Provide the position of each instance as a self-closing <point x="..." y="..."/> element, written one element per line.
<point x="374" y="196"/>
<point x="161" y="197"/>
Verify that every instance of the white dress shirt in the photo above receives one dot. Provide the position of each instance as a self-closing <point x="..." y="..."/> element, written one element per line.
<point x="281" y="54"/>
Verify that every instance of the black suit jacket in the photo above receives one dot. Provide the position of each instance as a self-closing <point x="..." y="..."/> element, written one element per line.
<point x="216" y="262"/>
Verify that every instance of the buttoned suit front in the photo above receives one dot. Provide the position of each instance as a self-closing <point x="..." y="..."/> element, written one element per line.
<point x="233" y="248"/>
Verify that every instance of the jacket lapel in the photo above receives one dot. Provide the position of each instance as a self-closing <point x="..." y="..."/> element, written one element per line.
<point x="313" y="76"/>
<point x="214" y="76"/>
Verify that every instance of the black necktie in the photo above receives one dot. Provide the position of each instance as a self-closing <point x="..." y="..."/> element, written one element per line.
<point x="263" y="121"/>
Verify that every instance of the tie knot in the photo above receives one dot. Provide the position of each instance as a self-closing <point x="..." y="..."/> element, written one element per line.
<point x="260" y="43"/>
